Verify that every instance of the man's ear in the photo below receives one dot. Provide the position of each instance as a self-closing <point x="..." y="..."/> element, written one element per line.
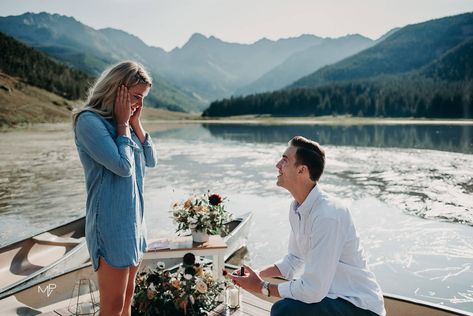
<point x="301" y="169"/>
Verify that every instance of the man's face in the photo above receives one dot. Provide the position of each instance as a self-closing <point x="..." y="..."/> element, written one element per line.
<point x="287" y="169"/>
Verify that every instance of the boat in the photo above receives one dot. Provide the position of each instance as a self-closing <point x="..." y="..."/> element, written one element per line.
<point x="399" y="305"/>
<point x="53" y="297"/>
<point x="236" y="234"/>
<point x="57" y="249"/>
<point x="62" y="248"/>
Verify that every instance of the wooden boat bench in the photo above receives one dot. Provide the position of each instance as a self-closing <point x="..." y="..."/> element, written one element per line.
<point x="48" y="238"/>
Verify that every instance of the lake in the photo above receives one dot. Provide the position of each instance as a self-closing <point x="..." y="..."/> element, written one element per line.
<point x="409" y="188"/>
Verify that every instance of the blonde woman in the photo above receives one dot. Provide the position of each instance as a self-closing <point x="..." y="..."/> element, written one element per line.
<point x="114" y="150"/>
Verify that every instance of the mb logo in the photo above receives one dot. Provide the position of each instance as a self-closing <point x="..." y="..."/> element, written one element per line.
<point x="48" y="289"/>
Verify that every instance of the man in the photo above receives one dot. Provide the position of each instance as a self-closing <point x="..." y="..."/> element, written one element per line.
<point x="323" y="245"/>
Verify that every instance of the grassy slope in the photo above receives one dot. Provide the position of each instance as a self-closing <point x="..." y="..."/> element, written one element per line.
<point x="22" y="104"/>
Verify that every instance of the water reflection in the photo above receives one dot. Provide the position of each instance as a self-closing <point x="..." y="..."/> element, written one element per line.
<point x="455" y="138"/>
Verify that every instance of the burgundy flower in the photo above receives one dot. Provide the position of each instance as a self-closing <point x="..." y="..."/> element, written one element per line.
<point x="188" y="259"/>
<point x="215" y="199"/>
<point x="189" y="270"/>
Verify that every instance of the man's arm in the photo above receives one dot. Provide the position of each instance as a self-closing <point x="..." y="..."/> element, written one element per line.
<point x="271" y="271"/>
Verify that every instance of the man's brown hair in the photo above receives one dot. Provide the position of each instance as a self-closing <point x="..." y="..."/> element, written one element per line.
<point x="310" y="154"/>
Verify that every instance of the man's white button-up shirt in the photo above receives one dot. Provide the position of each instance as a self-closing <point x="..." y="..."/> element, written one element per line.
<point x="324" y="245"/>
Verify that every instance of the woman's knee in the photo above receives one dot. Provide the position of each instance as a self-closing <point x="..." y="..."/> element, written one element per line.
<point x="112" y="305"/>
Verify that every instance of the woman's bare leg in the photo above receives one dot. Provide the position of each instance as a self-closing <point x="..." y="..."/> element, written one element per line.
<point x="112" y="287"/>
<point x="130" y="289"/>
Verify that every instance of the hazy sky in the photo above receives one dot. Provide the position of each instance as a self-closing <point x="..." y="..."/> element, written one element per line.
<point x="170" y="23"/>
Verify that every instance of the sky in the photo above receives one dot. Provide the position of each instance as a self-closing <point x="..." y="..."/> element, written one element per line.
<point x="170" y="23"/>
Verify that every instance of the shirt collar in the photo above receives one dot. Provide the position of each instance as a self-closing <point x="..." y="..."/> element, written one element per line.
<point x="308" y="203"/>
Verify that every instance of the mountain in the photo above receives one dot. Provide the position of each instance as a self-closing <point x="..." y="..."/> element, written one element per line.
<point x="91" y="50"/>
<point x="307" y="61"/>
<point x="215" y="69"/>
<point x="34" y="88"/>
<point x="408" y="49"/>
<point x="205" y="68"/>
<point x="455" y="65"/>
<point x="422" y="70"/>
<point x="37" y="69"/>
<point x="189" y="77"/>
<point x="386" y="35"/>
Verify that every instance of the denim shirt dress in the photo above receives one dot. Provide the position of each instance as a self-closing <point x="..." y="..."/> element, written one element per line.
<point x="114" y="168"/>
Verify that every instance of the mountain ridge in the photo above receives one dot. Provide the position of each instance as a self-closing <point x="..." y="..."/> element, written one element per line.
<point x="384" y="58"/>
<point x="421" y="70"/>
<point x="205" y="68"/>
<point x="90" y="50"/>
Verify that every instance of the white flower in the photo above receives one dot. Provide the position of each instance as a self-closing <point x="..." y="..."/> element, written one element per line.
<point x="201" y="287"/>
<point x="191" y="299"/>
<point x="187" y="276"/>
<point x="152" y="287"/>
<point x="161" y="265"/>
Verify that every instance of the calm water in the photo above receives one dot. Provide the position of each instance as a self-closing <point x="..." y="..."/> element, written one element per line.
<point x="409" y="188"/>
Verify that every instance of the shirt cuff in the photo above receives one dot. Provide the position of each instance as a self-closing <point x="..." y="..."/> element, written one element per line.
<point x="122" y="139"/>
<point x="148" y="142"/>
<point x="284" y="289"/>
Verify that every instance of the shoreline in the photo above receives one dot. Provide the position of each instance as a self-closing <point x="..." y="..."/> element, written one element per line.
<point x="263" y="120"/>
<point x="321" y="120"/>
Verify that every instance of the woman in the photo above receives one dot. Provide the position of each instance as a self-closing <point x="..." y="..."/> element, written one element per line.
<point x="114" y="150"/>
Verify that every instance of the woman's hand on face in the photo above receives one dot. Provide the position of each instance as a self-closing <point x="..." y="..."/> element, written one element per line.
<point x="122" y="106"/>
<point x="135" y="117"/>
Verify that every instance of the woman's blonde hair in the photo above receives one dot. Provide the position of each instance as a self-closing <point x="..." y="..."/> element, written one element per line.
<point x="101" y="96"/>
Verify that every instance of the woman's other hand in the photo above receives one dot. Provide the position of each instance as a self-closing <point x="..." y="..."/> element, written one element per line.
<point x="122" y="109"/>
<point x="135" y="116"/>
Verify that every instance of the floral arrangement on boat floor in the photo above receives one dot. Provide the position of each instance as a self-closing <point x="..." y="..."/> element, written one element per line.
<point x="204" y="215"/>
<point x="192" y="290"/>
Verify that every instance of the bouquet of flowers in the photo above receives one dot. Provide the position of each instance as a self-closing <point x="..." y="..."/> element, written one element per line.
<point x="206" y="214"/>
<point x="191" y="290"/>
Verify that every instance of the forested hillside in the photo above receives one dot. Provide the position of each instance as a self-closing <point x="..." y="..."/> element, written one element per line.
<point x="423" y="70"/>
<point x="37" y="69"/>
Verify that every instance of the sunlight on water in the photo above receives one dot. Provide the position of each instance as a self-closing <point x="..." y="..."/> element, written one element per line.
<point x="391" y="192"/>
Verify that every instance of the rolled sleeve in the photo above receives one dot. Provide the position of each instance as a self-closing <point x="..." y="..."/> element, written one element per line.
<point x="114" y="154"/>
<point x="149" y="152"/>
<point x="284" y="290"/>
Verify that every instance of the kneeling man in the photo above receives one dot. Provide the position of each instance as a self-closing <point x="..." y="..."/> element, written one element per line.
<point x="323" y="244"/>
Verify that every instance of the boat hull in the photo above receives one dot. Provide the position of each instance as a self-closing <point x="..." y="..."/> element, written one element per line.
<point x="54" y="251"/>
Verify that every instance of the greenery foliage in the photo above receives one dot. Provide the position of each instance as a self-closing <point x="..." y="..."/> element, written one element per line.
<point x="192" y="290"/>
<point x="382" y="97"/>
<point x="206" y="213"/>
<point x="37" y="69"/>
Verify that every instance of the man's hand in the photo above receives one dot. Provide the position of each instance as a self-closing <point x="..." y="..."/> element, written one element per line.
<point x="251" y="281"/>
